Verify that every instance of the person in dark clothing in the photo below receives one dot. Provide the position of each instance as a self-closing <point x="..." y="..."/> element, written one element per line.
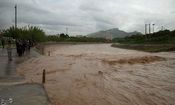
<point x="19" y="47"/>
<point x="23" y="46"/>
<point x="3" y="43"/>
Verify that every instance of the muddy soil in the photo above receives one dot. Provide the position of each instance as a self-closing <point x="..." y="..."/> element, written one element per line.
<point x="97" y="74"/>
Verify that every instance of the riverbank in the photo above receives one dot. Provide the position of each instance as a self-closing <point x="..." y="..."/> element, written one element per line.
<point x="147" y="47"/>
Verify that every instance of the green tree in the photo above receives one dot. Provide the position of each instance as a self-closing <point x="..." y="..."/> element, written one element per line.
<point x="28" y="32"/>
<point x="62" y="35"/>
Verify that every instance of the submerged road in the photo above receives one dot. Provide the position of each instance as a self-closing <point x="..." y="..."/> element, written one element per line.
<point x="8" y="68"/>
<point x="13" y="88"/>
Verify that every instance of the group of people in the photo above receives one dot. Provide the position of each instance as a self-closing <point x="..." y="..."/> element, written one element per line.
<point x="23" y="46"/>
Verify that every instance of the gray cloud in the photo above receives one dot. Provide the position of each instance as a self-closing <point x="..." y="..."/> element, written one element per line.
<point x="86" y="16"/>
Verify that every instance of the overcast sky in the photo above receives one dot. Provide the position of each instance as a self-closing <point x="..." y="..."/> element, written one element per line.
<point x="87" y="16"/>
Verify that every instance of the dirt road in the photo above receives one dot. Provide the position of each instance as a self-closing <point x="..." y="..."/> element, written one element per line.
<point x="97" y="74"/>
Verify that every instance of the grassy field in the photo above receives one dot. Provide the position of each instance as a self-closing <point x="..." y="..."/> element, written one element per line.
<point x="147" y="47"/>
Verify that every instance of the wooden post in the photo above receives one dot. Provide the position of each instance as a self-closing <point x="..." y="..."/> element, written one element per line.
<point x="49" y="53"/>
<point x="44" y="76"/>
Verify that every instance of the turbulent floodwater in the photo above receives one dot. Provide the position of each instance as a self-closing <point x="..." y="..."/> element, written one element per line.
<point x="97" y="74"/>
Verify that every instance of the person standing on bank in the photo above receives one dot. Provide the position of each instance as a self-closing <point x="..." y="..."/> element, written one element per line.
<point x="9" y="50"/>
<point x="3" y="43"/>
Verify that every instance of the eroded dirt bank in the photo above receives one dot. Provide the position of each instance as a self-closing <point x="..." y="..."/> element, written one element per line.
<point x="97" y="74"/>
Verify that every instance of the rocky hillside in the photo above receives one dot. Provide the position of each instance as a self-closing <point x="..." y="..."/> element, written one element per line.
<point x="112" y="33"/>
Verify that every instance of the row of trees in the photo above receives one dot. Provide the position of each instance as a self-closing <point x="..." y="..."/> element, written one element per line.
<point x="29" y="32"/>
<point x="36" y="34"/>
<point x="66" y="38"/>
<point x="161" y="37"/>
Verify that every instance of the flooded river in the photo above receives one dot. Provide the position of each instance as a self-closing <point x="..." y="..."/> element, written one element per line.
<point x="97" y="74"/>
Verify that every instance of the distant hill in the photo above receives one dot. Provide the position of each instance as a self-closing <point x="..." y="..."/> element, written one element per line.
<point x="114" y="33"/>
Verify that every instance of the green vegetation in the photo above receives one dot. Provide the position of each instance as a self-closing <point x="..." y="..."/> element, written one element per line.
<point x="156" y="42"/>
<point x="31" y="32"/>
<point x="65" y="38"/>
<point x="161" y="37"/>
<point x="37" y="35"/>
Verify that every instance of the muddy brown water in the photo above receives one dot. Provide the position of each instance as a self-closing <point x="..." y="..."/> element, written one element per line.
<point x="84" y="75"/>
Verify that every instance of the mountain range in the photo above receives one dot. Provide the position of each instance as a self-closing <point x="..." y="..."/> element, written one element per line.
<point x="112" y="33"/>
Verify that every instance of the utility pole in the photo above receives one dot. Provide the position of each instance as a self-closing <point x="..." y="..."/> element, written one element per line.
<point x="15" y="16"/>
<point x="162" y="28"/>
<point x="149" y="28"/>
<point x="153" y="28"/>
<point x="145" y="29"/>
